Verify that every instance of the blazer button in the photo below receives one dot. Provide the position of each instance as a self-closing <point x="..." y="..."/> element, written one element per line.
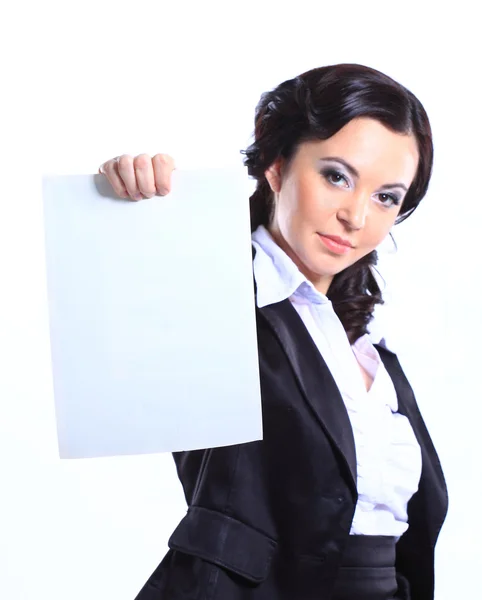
<point x="340" y="499"/>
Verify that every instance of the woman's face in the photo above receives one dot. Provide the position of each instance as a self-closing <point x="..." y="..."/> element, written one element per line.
<point x="338" y="198"/>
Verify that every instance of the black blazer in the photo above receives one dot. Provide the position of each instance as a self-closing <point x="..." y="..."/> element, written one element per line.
<point x="268" y="520"/>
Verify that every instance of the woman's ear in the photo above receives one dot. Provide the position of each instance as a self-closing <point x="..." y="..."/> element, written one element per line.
<point x="273" y="176"/>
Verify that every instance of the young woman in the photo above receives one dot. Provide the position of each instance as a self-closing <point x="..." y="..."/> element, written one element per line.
<point x="344" y="498"/>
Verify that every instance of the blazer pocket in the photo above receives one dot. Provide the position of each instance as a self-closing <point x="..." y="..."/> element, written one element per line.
<point x="225" y="542"/>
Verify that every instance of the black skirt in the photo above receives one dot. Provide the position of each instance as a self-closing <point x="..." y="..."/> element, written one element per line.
<point x="368" y="570"/>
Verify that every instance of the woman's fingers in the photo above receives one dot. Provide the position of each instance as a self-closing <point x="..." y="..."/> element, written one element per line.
<point x="127" y="174"/>
<point x="144" y="173"/>
<point x="139" y="177"/>
<point x="163" y="165"/>
<point x="111" y="171"/>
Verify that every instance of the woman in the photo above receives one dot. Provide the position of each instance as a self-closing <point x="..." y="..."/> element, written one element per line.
<point x="344" y="498"/>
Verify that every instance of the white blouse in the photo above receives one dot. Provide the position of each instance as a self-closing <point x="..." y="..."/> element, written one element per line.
<point x="389" y="461"/>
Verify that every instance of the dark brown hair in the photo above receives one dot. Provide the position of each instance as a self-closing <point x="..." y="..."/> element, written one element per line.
<point x="315" y="106"/>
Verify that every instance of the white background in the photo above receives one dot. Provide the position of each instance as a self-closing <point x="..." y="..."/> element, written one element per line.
<point x="83" y="82"/>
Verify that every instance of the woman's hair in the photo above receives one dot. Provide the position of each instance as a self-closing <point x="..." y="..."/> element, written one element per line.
<point x="315" y="106"/>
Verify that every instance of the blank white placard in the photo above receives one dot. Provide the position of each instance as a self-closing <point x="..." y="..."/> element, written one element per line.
<point x="152" y="320"/>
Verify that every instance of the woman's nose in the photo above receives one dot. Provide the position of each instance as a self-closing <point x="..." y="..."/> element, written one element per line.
<point x="354" y="211"/>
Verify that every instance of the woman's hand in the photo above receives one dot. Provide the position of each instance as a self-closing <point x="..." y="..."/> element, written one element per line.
<point x="139" y="177"/>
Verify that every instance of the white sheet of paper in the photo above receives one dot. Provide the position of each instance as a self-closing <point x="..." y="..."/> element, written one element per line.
<point x="152" y="320"/>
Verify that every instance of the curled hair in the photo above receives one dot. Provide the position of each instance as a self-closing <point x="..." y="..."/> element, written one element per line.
<point x="315" y="106"/>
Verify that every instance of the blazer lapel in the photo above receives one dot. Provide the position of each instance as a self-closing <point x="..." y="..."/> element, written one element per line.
<point x="316" y="382"/>
<point x="428" y="507"/>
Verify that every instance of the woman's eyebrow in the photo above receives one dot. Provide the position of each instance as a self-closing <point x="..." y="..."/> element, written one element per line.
<point x="351" y="169"/>
<point x="389" y="186"/>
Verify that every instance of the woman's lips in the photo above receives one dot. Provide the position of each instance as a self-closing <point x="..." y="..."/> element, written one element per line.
<point x="336" y="244"/>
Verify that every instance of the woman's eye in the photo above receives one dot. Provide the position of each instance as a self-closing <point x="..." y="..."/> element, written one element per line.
<point x="335" y="178"/>
<point x="389" y="199"/>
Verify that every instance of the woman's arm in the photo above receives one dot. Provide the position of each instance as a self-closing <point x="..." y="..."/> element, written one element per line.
<point x="139" y="177"/>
